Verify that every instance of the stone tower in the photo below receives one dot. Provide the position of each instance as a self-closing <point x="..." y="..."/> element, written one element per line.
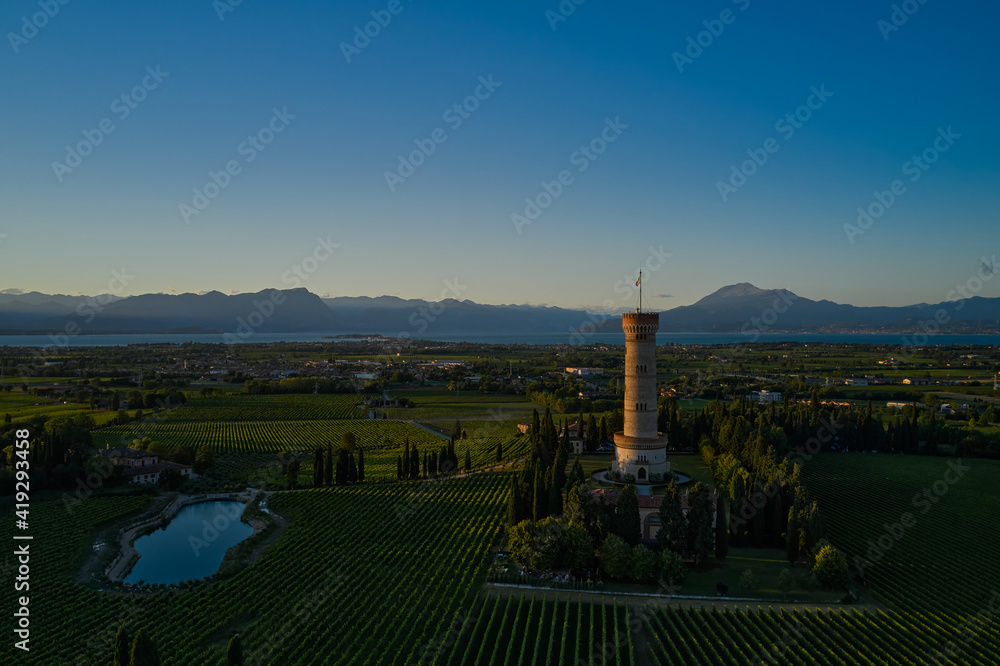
<point x="639" y="449"/>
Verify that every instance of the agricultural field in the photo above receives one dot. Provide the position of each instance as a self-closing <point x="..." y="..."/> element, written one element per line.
<point x="516" y="630"/>
<point x="363" y="575"/>
<point x="268" y="436"/>
<point x="242" y="407"/>
<point x="923" y="529"/>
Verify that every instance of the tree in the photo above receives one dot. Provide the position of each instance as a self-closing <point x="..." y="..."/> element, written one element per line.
<point x="673" y="524"/>
<point x="616" y="557"/>
<point x="514" y="503"/>
<point x="540" y="498"/>
<point x="786" y="581"/>
<point x="627" y="523"/>
<point x="672" y="569"/>
<point x="499" y="452"/>
<point x="170" y="478"/>
<point x="721" y="530"/>
<point x="831" y="568"/>
<point x="116" y="401"/>
<point x="361" y="465"/>
<point x="121" y="655"/>
<point x="143" y="651"/>
<point x="204" y="460"/>
<point x="317" y="468"/>
<point x="349" y="442"/>
<point x="234" y="651"/>
<point x="292" y="474"/>
<point x="328" y="466"/>
<point x="468" y="460"/>
<point x="792" y="537"/>
<point x="645" y="563"/>
<point x="748" y="581"/>
<point x="456" y="430"/>
<point x="352" y="469"/>
<point x="700" y="534"/>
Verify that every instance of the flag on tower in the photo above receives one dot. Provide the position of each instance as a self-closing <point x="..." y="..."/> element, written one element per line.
<point x="638" y="281"/>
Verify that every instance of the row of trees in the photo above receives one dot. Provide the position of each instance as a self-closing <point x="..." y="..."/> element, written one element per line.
<point x="442" y="462"/>
<point x="344" y="471"/>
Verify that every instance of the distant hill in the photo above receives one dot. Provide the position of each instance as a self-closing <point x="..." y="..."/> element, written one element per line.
<point x="730" y="309"/>
<point x="275" y="311"/>
<point x="734" y="308"/>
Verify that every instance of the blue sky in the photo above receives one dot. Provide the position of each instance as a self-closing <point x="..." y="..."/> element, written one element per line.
<point x="323" y="176"/>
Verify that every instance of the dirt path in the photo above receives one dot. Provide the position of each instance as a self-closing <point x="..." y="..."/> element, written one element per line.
<point x="663" y="601"/>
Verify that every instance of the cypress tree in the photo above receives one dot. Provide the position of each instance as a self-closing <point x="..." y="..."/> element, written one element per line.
<point x="499" y="452"/>
<point x="406" y="459"/>
<point x="514" y="503"/>
<point x="468" y="460"/>
<point x="673" y="525"/>
<point x="361" y="465"/>
<point x="777" y="520"/>
<point x="627" y="523"/>
<point x="328" y="467"/>
<point x="234" y="651"/>
<point x="317" y="468"/>
<point x="540" y="503"/>
<point x="792" y="537"/>
<point x="143" y="651"/>
<point x="352" y="469"/>
<point x="721" y="530"/>
<point x="121" y="655"/>
<point x="399" y="468"/>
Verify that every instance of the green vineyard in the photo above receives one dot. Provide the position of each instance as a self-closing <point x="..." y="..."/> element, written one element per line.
<point x="269" y="436"/>
<point x="241" y="407"/>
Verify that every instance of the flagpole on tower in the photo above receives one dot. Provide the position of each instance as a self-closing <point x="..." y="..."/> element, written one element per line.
<point x="638" y="283"/>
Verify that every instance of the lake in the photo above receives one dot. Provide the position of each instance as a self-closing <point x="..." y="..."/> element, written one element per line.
<point x="192" y="545"/>
<point x="615" y="338"/>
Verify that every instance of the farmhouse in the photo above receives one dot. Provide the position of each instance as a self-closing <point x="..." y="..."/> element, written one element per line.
<point x="141" y="466"/>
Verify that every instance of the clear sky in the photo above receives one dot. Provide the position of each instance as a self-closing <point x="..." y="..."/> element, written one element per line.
<point x="672" y="129"/>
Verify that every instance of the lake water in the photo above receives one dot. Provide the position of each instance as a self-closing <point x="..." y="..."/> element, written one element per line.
<point x="192" y="545"/>
<point x="617" y="338"/>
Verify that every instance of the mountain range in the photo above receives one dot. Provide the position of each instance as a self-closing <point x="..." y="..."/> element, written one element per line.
<point x="740" y="307"/>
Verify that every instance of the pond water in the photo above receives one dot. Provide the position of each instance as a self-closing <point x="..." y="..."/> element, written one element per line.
<point x="192" y="545"/>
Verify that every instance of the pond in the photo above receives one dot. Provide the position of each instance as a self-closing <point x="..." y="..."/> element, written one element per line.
<point x="192" y="545"/>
